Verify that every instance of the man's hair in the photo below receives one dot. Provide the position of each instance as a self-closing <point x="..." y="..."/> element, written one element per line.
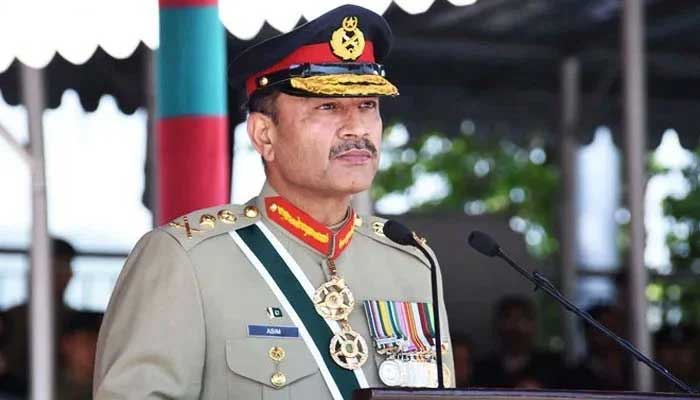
<point x="264" y="102"/>
<point x="62" y="248"/>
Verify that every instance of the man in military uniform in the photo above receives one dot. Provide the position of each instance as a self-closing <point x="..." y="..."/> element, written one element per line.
<point x="292" y="295"/>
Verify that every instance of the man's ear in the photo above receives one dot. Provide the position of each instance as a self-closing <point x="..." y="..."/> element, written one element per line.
<point x="262" y="132"/>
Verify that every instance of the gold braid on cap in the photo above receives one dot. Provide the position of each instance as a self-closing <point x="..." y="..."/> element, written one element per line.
<point x="346" y="85"/>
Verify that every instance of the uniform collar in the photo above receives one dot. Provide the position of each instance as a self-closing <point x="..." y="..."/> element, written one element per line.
<point x="328" y="242"/>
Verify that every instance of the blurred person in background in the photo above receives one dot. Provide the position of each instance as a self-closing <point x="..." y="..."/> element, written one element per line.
<point x="606" y="366"/>
<point x="462" y="352"/>
<point x="516" y="356"/>
<point x="10" y="387"/>
<point x="76" y="350"/>
<point x="676" y="348"/>
<point x="16" y="346"/>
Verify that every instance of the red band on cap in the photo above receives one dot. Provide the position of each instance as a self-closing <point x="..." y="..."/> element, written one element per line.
<point x="319" y="53"/>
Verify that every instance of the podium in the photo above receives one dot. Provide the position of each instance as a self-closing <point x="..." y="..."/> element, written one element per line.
<point x="502" y="394"/>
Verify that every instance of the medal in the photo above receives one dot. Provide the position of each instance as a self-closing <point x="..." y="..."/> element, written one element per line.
<point x="348" y="348"/>
<point x="404" y="332"/>
<point x="446" y="375"/>
<point x="392" y="373"/>
<point x="333" y="300"/>
<point x="417" y="374"/>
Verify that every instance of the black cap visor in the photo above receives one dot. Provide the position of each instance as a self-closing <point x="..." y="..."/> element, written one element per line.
<point x="331" y="80"/>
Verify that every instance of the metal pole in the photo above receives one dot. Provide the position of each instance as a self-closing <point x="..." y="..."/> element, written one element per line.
<point x="41" y="300"/>
<point x="634" y="124"/>
<point x="149" y="73"/>
<point x="570" y="80"/>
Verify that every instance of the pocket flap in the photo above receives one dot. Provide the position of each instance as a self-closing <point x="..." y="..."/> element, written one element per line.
<point x="249" y="357"/>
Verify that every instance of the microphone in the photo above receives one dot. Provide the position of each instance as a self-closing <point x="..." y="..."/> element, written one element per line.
<point x="485" y="245"/>
<point x="399" y="233"/>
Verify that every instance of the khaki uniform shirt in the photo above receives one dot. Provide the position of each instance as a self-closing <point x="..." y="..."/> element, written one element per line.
<point x="176" y="325"/>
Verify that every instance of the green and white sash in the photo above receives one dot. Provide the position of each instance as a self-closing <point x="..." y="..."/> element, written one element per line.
<point x="295" y="292"/>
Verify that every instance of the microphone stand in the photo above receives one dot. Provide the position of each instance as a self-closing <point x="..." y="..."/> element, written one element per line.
<point x="541" y="282"/>
<point x="436" y="310"/>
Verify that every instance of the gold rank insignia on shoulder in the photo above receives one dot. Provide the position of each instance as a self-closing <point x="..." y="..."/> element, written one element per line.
<point x="251" y="211"/>
<point x="227" y="216"/>
<point x="348" y="41"/>
<point x="378" y="228"/>
<point x="206" y="223"/>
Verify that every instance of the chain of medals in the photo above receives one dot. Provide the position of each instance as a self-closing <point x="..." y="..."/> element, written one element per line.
<point x="404" y="333"/>
<point x="333" y="300"/>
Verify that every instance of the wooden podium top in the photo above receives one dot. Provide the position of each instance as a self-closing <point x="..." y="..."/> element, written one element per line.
<point x="502" y="394"/>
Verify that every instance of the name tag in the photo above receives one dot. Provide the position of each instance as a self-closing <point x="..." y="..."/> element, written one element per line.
<point x="273" y="331"/>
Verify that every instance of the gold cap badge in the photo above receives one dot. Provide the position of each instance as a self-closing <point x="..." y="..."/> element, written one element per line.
<point x="348" y="41"/>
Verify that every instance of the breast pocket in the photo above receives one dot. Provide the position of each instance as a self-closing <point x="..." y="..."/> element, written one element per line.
<point x="254" y="373"/>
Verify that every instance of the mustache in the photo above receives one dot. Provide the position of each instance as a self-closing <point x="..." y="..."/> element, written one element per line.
<point x="359" y="144"/>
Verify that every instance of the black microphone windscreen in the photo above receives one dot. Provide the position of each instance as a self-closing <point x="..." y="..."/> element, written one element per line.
<point x="398" y="233"/>
<point x="483" y="243"/>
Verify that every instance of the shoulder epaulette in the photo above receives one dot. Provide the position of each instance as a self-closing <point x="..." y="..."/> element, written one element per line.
<point x="197" y="226"/>
<point x="373" y="228"/>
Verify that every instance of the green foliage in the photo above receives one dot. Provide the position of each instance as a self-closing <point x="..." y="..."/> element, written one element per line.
<point x="684" y="238"/>
<point x="494" y="177"/>
<point x="680" y="291"/>
<point x="677" y="297"/>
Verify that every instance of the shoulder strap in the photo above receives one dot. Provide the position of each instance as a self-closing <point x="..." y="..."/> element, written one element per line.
<point x="194" y="228"/>
<point x="372" y="227"/>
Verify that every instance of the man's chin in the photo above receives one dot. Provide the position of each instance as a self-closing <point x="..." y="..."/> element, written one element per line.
<point x="351" y="186"/>
<point x="353" y="189"/>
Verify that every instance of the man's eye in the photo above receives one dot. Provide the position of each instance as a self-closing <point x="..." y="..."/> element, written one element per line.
<point x="369" y="104"/>
<point x="327" y="106"/>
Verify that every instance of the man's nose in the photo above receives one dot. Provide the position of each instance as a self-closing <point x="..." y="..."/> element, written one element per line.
<point x="352" y="126"/>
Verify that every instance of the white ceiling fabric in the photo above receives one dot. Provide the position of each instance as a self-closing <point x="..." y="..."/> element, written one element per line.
<point x="33" y="31"/>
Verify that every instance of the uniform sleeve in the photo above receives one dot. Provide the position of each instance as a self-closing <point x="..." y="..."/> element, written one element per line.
<point x="152" y="341"/>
